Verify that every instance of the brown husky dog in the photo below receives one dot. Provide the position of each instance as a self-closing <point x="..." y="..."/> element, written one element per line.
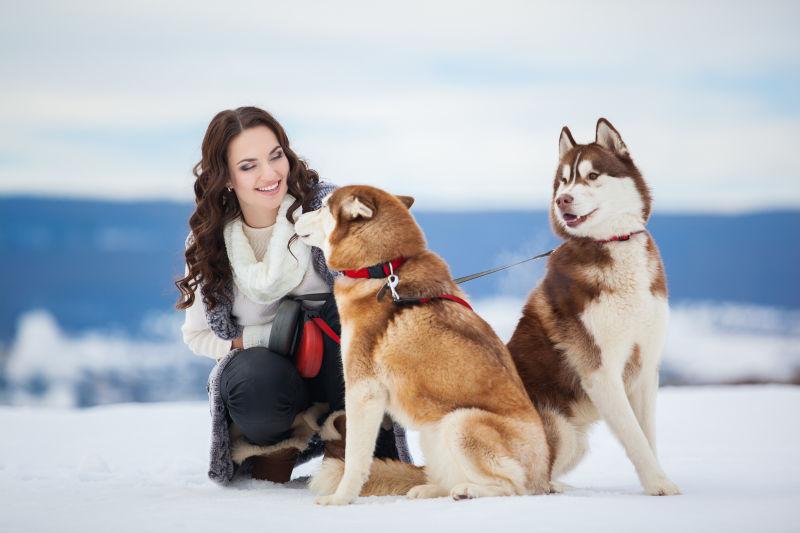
<point x="590" y="338"/>
<point x="415" y="349"/>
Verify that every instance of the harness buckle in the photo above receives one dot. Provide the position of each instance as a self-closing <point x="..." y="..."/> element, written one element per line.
<point x="392" y="281"/>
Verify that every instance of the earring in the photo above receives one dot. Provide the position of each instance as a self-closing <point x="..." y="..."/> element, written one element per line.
<point x="230" y="189"/>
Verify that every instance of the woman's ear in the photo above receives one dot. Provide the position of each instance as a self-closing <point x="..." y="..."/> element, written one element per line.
<point x="408" y="201"/>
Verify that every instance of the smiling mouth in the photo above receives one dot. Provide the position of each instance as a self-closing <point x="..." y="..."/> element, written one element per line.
<point x="574" y="221"/>
<point x="272" y="188"/>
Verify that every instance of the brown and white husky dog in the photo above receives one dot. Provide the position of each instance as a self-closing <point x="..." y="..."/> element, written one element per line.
<point x="434" y="364"/>
<point x="590" y="338"/>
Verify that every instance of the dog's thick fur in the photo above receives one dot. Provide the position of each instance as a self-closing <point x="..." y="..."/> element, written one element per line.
<point x="590" y="338"/>
<point x="436" y="367"/>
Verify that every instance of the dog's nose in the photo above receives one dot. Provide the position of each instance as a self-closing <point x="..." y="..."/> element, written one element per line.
<point x="563" y="201"/>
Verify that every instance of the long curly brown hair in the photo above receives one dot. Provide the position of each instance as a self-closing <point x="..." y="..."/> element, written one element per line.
<point x="206" y="257"/>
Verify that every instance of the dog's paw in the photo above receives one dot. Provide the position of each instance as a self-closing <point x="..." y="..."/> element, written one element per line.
<point x="326" y="481"/>
<point x="463" y="491"/>
<point x="662" y="487"/>
<point x="467" y="491"/>
<point x="335" y="499"/>
<point x="426" y="491"/>
<point x="556" y="487"/>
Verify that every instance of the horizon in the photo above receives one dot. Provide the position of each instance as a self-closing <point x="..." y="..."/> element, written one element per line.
<point x="417" y="208"/>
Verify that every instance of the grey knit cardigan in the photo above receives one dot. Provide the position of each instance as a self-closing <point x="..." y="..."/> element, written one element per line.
<point x="221" y="468"/>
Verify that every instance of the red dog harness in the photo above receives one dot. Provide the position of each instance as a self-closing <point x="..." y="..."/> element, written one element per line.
<point x="381" y="270"/>
<point x="386" y="270"/>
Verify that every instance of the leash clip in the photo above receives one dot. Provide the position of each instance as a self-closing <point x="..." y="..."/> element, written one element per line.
<point x="392" y="281"/>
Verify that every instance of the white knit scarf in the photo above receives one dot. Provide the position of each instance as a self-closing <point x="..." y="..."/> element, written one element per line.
<point x="273" y="277"/>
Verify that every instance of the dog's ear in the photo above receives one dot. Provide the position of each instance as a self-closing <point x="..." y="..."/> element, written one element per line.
<point x="565" y="142"/>
<point x="355" y="206"/>
<point x="408" y="201"/>
<point x="608" y="137"/>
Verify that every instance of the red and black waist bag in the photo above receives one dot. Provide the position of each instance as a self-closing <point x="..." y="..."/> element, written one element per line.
<point x="304" y="333"/>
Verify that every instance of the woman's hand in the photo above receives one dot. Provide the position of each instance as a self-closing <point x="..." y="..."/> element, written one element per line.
<point x="237" y="343"/>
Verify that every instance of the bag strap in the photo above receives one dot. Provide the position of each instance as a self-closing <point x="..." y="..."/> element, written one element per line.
<point x="317" y="296"/>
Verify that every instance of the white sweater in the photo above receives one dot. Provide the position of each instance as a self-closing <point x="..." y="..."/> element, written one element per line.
<point x="256" y="318"/>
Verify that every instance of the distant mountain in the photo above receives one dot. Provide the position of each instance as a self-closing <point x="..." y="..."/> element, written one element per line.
<point x="107" y="265"/>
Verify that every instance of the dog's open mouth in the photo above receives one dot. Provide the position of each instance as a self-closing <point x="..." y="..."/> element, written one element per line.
<point x="573" y="220"/>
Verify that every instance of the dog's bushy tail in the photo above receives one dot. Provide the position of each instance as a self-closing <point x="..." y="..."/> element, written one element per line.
<point x="386" y="478"/>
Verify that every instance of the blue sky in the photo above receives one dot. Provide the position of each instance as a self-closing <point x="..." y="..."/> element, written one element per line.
<point x="457" y="103"/>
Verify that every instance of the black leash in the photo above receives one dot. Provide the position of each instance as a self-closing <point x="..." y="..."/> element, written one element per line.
<point x="393" y="280"/>
<point x="465" y="279"/>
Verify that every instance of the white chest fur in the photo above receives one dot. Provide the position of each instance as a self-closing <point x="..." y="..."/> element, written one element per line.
<point x="345" y="340"/>
<point x="627" y="313"/>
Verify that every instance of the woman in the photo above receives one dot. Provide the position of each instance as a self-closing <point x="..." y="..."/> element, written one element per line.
<point x="244" y="257"/>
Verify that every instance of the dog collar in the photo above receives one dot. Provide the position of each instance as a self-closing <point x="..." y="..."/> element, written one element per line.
<point x="387" y="270"/>
<point x="620" y="237"/>
<point x="381" y="270"/>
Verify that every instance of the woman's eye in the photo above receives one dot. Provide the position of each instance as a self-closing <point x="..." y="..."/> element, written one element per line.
<point x="247" y="167"/>
<point x="593" y="176"/>
<point x="277" y="155"/>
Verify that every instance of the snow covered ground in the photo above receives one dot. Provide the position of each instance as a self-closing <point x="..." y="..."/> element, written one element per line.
<point x="734" y="451"/>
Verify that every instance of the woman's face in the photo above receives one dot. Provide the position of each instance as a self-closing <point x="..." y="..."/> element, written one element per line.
<point x="258" y="169"/>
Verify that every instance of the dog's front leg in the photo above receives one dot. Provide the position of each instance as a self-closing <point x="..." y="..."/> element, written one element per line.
<point x="365" y="403"/>
<point x="643" y="401"/>
<point x="607" y="391"/>
<point x="645" y="389"/>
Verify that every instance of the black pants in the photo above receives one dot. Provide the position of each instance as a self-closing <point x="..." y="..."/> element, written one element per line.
<point x="264" y="392"/>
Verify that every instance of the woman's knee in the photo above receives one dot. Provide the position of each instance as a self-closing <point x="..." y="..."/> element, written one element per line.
<point x="263" y="393"/>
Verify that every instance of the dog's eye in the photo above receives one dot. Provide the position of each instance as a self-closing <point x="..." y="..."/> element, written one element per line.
<point x="593" y="176"/>
<point x="563" y="180"/>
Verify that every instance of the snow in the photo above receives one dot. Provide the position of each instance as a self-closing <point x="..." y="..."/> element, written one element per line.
<point x="707" y="343"/>
<point x="141" y="467"/>
<point x="98" y="367"/>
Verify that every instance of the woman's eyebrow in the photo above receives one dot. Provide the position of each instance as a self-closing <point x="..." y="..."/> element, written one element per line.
<point x="276" y="147"/>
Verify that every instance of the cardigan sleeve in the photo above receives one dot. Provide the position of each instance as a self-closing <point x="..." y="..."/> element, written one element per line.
<point x="197" y="334"/>
<point x="201" y="340"/>
<point x="322" y="190"/>
<point x="257" y="335"/>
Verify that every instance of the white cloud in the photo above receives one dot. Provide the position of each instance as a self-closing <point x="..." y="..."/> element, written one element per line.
<point x="456" y="103"/>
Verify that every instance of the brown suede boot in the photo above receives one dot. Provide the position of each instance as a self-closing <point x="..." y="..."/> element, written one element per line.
<point x="276" y="467"/>
<point x="334" y="436"/>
